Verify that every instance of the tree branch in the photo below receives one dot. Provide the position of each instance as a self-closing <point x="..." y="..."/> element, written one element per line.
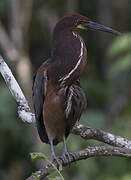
<point x="83" y="154"/>
<point x="23" y="108"/>
<point x="97" y="134"/>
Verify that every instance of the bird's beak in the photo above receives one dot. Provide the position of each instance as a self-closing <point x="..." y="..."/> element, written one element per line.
<point x="98" y="27"/>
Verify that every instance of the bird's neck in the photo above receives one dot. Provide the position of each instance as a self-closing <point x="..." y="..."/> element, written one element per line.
<point x="68" y="53"/>
<point x="66" y="44"/>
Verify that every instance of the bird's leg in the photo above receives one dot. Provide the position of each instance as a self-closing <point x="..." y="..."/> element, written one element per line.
<point x="52" y="150"/>
<point x="66" y="154"/>
<point x="64" y="146"/>
<point x="53" y="155"/>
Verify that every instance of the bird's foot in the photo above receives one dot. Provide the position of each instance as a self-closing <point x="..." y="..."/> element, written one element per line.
<point x="56" y="161"/>
<point x="68" y="157"/>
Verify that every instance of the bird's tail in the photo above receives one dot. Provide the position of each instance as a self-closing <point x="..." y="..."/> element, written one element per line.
<point x="42" y="131"/>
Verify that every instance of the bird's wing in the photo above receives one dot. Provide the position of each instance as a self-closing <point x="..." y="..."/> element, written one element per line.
<point x="39" y="88"/>
<point x="77" y="103"/>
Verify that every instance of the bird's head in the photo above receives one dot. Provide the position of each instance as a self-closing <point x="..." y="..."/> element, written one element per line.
<point x="76" y="22"/>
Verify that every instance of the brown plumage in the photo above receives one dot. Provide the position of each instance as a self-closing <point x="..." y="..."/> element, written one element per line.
<point x="57" y="95"/>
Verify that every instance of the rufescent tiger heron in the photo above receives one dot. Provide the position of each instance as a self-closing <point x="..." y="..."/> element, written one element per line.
<point x="57" y="95"/>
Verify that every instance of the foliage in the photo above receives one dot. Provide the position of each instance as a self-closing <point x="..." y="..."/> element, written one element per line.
<point x="120" y="51"/>
<point x="54" y="173"/>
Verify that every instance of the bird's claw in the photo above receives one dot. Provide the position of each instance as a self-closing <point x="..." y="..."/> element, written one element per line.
<point x="56" y="161"/>
<point x="68" y="157"/>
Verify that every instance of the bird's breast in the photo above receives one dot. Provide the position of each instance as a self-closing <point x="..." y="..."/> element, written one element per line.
<point x="53" y="113"/>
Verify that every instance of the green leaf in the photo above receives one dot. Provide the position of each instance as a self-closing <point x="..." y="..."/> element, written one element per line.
<point x="60" y="167"/>
<point x="36" y="176"/>
<point x="51" y="178"/>
<point x="37" y="155"/>
<point x="58" y="178"/>
<point x="55" y="178"/>
<point x="51" y="171"/>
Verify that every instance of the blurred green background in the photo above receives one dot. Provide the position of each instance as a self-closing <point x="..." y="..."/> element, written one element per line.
<point x="25" y="41"/>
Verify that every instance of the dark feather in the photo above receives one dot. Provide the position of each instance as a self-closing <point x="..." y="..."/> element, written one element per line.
<point x="38" y="101"/>
<point x="78" y="105"/>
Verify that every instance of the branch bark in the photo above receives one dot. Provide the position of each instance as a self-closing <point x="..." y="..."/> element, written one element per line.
<point x="97" y="134"/>
<point x="122" y="146"/>
<point x="24" y="111"/>
<point x="83" y="154"/>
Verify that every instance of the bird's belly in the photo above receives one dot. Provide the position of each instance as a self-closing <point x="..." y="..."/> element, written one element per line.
<point x="54" y="116"/>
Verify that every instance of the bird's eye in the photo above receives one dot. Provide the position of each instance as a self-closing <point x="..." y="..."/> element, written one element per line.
<point x="78" y="22"/>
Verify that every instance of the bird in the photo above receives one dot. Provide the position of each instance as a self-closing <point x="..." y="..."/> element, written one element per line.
<point x="58" y="97"/>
